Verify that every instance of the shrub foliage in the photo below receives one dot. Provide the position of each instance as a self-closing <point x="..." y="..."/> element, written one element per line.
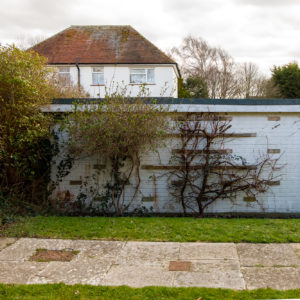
<point x="287" y="79"/>
<point x="26" y="84"/>
<point x="119" y="130"/>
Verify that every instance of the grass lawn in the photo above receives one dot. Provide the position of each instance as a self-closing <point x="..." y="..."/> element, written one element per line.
<point x="158" y="229"/>
<point x="65" y="292"/>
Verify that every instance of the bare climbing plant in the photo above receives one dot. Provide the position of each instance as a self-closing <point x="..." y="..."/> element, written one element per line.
<point x="207" y="172"/>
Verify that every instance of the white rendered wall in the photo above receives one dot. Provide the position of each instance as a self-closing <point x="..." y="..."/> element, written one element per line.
<point x="273" y="130"/>
<point x="118" y="75"/>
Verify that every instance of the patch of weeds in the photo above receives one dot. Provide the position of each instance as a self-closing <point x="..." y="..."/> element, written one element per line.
<point x="282" y="266"/>
<point x="45" y="255"/>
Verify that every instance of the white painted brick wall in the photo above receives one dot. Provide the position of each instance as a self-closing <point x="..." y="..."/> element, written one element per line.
<point x="283" y="134"/>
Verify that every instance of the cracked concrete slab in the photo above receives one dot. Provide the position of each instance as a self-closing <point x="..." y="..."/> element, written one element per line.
<point x="148" y="252"/>
<point x="19" y="272"/>
<point x="267" y="255"/>
<point x="281" y="278"/>
<point x="139" y="276"/>
<point x="83" y="272"/>
<point x="4" y="242"/>
<point x="207" y="251"/>
<point x="98" y="249"/>
<point x="212" y="273"/>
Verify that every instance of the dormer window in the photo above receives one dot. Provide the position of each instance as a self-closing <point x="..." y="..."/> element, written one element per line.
<point x="64" y="75"/>
<point x="140" y="76"/>
<point x="98" y="75"/>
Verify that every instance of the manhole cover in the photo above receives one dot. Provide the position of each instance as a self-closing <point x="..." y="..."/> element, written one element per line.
<point x="180" y="266"/>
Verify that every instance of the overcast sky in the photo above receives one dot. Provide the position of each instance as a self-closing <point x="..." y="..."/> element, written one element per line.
<point x="266" y="32"/>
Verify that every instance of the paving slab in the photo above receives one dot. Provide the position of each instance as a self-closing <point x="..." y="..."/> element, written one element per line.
<point x="281" y="278"/>
<point x="139" y="276"/>
<point x="19" y="272"/>
<point x="148" y="252"/>
<point x="83" y="272"/>
<point x="4" y="242"/>
<point x="267" y="255"/>
<point x="207" y="251"/>
<point x="98" y="249"/>
<point x="212" y="273"/>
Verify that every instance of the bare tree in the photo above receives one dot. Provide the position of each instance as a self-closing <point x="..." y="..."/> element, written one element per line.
<point x="206" y="171"/>
<point x="251" y="82"/>
<point x="214" y="65"/>
<point x="270" y="89"/>
<point x="25" y="42"/>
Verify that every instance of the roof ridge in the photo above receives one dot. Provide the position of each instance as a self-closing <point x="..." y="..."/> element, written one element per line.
<point x="72" y="26"/>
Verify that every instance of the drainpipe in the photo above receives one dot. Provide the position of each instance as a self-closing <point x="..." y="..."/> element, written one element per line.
<point x="78" y="73"/>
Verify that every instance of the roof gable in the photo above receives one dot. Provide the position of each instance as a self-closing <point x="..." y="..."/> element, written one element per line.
<point x="100" y="45"/>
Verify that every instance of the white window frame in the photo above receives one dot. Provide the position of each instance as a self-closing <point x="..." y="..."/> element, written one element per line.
<point x="147" y="81"/>
<point x="64" y="75"/>
<point x="100" y="71"/>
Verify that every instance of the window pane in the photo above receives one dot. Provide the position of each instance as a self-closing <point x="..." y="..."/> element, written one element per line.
<point x="64" y="69"/>
<point x="65" y="78"/>
<point x="98" y="78"/>
<point x="150" y="75"/>
<point x="137" y="78"/>
<point x="138" y="71"/>
<point x="98" y="69"/>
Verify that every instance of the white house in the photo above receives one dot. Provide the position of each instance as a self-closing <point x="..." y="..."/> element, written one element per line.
<point x="100" y="58"/>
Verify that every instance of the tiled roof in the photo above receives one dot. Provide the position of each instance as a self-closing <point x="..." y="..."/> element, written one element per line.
<point x="100" y="45"/>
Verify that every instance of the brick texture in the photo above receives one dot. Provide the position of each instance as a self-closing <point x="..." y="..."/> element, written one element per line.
<point x="283" y="196"/>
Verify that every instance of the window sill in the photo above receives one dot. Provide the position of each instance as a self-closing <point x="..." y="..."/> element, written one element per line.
<point x="97" y="85"/>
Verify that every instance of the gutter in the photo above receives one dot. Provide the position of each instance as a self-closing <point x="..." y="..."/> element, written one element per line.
<point x="178" y="71"/>
<point x="175" y="65"/>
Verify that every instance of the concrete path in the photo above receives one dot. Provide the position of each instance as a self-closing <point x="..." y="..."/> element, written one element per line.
<point x="137" y="264"/>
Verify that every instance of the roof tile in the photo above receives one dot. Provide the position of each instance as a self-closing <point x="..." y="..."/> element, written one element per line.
<point x="100" y="45"/>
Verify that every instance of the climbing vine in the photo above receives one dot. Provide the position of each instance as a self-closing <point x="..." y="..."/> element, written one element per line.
<point x="117" y="131"/>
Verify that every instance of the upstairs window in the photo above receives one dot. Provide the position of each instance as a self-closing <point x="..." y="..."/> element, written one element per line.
<point x="98" y="75"/>
<point x="142" y="76"/>
<point x="64" y="75"/>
